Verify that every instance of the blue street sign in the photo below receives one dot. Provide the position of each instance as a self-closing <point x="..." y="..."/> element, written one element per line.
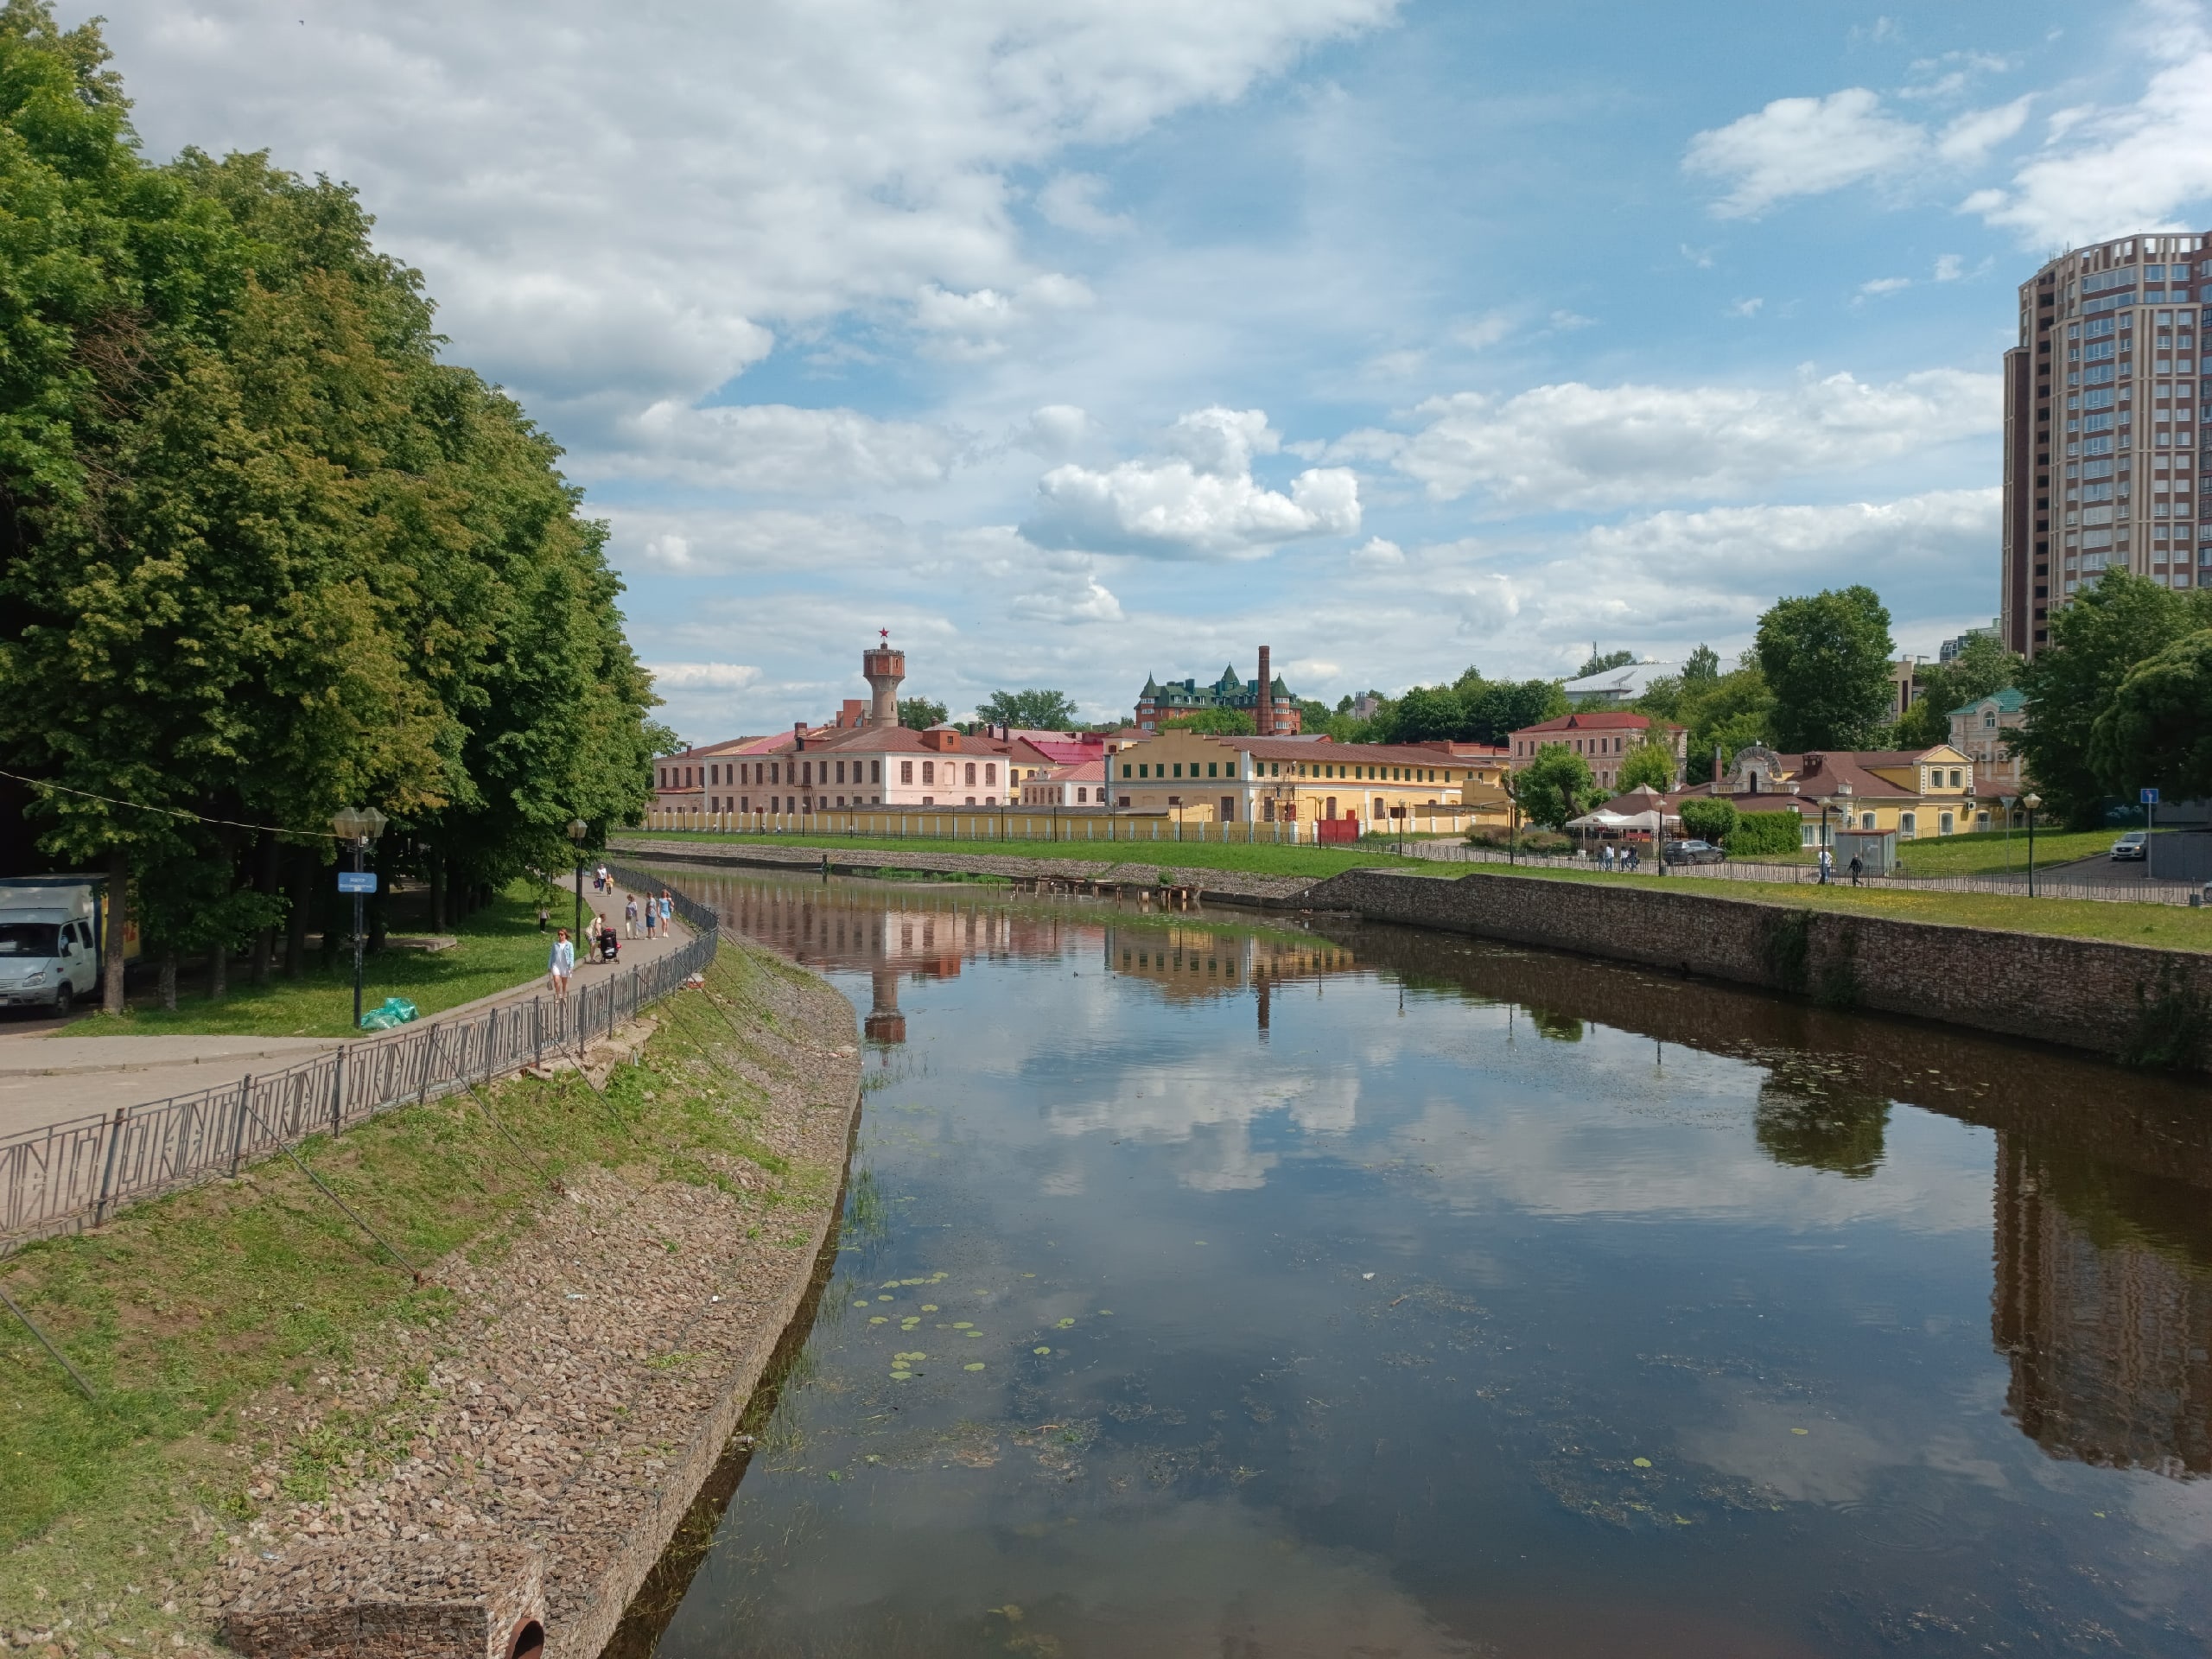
<point x="357" y="880"/>
<point x="2150" y="797"/>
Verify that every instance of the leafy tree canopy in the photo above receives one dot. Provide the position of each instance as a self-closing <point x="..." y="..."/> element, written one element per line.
<point x="2112" y="625"/>
<point x="1038" y="710"/>
<point x="1220" y="723"/>
<point x="1651" y="763"/>
<point x="919" y="714"/>
<point x="1723" y="711"/>
<point x="1827" y="660"/>
<point x="267" y="555"/>
<point x="1556" y="785"/>
<point x="2156" y="730"/>
<point x="1470" y="710"/>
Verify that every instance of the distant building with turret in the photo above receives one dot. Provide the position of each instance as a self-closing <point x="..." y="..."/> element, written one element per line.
<point x="1174" y="699"/>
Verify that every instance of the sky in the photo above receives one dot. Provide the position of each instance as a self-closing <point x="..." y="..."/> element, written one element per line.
<point x="1077" y="340"/>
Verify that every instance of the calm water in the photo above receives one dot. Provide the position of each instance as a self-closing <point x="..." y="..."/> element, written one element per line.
<point x="1224" y="1287"/>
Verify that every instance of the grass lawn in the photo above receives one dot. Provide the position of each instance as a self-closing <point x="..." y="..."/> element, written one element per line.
<point x="2173" y="927"/>
<point x="182" y="1312"/>
<point x="1984" y="853"/>
<point x="500" y="946"/>
<point x="1260" y="858"/>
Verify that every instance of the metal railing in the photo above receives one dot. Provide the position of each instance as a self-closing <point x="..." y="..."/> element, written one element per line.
<point x="2145" y="892"/>
<point x="68" y="1176"/>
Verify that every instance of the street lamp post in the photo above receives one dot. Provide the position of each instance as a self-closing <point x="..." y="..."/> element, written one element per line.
<point x="359" y="825"/>
<point x="2007" y="802"/>
<point x="579" y="832"/>
<point x="2031" y="801"/>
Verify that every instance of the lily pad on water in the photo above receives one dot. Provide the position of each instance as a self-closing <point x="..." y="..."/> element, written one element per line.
<point x="964" y="1325"/>
<point x="1643" y="1463"/>
<point x="973" y="1365"/>
<point x="1040" y="1350"/>
<point x="929" y="1307"/>
<point x="1066" y="1323"/>
<point x="878" y="1318"/>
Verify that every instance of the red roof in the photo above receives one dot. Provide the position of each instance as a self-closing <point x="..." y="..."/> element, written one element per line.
<point x="1595" y="720"/>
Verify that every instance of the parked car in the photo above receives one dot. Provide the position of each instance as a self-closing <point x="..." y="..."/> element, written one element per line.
<point x="2135" y="844"/>
<point x="1694" y="852"/>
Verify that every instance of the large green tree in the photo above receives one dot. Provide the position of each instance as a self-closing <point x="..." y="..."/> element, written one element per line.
<point x="2156" y="730"/>
<point x="1554" y="786"/>
<point x="1218" y="722"/>
<point x="1826" y="658"/>
<point x="1037" y="709"/>
<point x="919" y="714"/>
<point x="263" y="552"/>
<point x="2095" y="641"/>
<point x="1726" y="712"/>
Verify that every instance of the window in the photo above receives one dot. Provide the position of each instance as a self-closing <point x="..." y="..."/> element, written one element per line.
<point x="971" y="777"/>
<point x="906" y="771"/>
<point x="1178" y="768"/>
<point x="1212" y="769"/>
<point x="1944" y="825"/>
<point x="1082" y="794"/>
<point x="1989" y="720"/>
<point x="1954" y="778"/>
<point x="991" y="771"/>
<point x="875" y="771"/>
<point x="929" y="772"/>
<point x="1906" y="820"/>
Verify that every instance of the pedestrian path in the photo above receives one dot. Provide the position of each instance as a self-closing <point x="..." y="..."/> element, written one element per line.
<point x="51" y="1079"/>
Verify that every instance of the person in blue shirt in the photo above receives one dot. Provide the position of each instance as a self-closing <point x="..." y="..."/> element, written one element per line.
<point x="561" y="964"/>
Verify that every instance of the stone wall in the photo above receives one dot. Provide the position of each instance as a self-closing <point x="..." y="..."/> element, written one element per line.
<point x="2091" y="993"/>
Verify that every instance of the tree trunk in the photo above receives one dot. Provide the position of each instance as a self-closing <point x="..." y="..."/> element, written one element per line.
<point x="440" y="890"/>
<point x="304" y="866"/>
<point x="264" y="882"/>
<point x="168" y="981"/>
<point x="118" y="917"/>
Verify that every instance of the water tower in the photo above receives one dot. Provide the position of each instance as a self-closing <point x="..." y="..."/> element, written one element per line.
<point x="883" y="668"/>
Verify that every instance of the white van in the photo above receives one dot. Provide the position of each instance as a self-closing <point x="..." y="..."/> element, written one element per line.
<point x="49" y="941"/>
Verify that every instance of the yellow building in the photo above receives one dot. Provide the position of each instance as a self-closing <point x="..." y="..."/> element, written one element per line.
<point x="1914" y="793"/>
<point x="1200" y="778"/>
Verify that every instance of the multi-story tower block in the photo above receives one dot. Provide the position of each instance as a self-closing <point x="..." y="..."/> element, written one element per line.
<point x="2100" y="418"/>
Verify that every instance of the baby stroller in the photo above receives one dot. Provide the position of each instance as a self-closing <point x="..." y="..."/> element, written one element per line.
<point x="610" y="945"/>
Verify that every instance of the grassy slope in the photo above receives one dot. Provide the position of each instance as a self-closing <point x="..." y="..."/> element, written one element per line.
<point x="2169" y="925"/>
<point x="1985" y="854"/>
<point x="182" y="1310"/>
<point x="1258" y="859"/>
<point x="500" y="946"/>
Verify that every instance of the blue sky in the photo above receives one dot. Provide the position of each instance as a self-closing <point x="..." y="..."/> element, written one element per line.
<point x="1075" y="342"/>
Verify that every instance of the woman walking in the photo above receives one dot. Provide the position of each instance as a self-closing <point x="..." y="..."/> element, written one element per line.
<point x="650" y="916"/>
<point x="560" y="965"/>
<point x="629" y="914"/>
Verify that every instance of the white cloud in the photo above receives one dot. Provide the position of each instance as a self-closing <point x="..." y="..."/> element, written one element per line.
<point x="2105" y="172"/>
<point x="1882" y="285"/>
<point x="1582" y="446"/>
<point x="983" y="321"/>
<point x="1378" y="554"/>
<point x="1950" y="267"/>
<point x="1801" y="147"/>
<point x="1746" y="308"/>
<point x="1070" y="201"/>
<point x="775" y="448"/>
<point x="638" y="200"/>
<point x="1055" y="431"/>
<point x="1973" y="135"/>
<point x="1202" y="503"/>
<point x="720" y="677"/>
<point x="1484" y="331"/>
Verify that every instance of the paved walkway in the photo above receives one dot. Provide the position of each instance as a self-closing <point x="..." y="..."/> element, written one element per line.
<point x="50" y="1078"/>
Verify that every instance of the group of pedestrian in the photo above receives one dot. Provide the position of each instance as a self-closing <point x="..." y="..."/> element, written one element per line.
<point x="657" y="910"/>
<point x="1626" y="860"/>
<point x="1828" y="868"/>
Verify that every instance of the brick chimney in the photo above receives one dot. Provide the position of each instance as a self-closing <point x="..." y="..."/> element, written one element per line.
<point x="798" y="733"/>
<point x="1263" y="717"/>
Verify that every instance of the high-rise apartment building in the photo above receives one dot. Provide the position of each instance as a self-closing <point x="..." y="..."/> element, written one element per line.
<point x="2100" y="401"/>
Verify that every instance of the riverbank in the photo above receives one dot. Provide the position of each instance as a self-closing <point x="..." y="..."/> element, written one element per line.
<point x="2138" y="1003"/>
<point x="268" y="1374"/>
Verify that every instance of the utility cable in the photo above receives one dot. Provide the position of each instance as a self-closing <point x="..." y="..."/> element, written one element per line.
<point x="170" y="811"/>
<point x="45" y="1342"/>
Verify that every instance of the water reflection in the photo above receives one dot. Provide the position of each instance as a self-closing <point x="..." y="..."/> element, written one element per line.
<point x="1457" y="1298"/>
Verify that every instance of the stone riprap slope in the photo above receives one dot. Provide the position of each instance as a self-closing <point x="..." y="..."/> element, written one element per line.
<point x="589" y="1375"/>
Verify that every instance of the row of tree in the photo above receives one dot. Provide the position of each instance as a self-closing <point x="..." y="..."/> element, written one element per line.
<point x="263" y="553"/>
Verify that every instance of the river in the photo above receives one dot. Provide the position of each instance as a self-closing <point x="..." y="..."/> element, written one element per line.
<point x="1220" y="1285"/>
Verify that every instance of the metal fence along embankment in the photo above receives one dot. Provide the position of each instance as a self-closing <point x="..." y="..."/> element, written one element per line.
<point x="76" y="1174"/>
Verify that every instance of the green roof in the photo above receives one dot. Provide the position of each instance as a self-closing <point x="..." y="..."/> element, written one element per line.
<point x="2008" y="702"/>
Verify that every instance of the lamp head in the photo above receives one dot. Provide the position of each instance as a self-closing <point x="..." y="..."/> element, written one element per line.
<point x="2031" y="801"/>
<point x="358" y="824"/>
<point x="578" y="830"/>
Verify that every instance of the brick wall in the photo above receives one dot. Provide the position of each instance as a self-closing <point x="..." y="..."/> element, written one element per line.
<point x="2085" y="993"/>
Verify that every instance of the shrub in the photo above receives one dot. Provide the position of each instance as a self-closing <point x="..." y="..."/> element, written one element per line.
<point x="1709" y="819"/>
<point x="1758" y="835"/>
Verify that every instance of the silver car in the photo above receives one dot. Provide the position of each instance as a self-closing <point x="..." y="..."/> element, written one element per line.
<point x="2135" y="844"/>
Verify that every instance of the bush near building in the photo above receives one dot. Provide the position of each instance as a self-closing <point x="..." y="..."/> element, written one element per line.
<point x="1709" y="819"/>
<point x="1764" y="835"/>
